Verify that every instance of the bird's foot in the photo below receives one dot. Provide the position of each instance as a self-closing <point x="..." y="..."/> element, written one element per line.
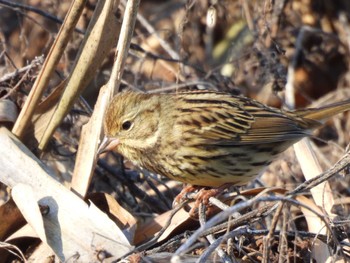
<point x="186" y="194"/>
<point x="200" y="194"/>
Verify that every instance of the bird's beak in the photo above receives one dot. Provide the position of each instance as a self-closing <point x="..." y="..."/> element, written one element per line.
<point x="108" y="144"/>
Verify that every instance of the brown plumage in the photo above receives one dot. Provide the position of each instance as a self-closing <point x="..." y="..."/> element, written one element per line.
<point x="206" y="138"/>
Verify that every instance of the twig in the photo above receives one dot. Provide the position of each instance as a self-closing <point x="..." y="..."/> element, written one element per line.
<point x="340" y="165"/>
<point x="151" y="242"/>
<point x="236" y="208"/>
<point x="164" y="44"/>
<point x="18" y="84"/>
<point x="35" y="62"/>
<point x="215" y="245"/>
<point x="10" y="248"/>
<point x="164" y="200"/>
<point x="268" y="238"/>
<point x="250" y="217"/>
<point x="16" y="5"/>
<point x="237" y="232"/>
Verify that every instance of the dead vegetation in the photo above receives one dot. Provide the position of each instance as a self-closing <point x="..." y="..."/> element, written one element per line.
<point x="283" y="53"/>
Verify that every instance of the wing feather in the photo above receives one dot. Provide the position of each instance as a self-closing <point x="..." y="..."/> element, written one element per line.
<point x="223" y="119"/>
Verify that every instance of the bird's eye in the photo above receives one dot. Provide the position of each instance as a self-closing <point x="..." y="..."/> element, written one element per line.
<point x="126" y="125"/>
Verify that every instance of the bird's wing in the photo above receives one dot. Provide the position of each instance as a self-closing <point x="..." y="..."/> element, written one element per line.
<point x="243" y="121"/>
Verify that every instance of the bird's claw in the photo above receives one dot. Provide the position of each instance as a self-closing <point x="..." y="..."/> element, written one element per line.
<point x="201" y="195"/>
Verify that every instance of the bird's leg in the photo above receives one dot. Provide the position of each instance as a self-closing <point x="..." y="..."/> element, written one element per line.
<point x="186" y="193"/>
<point x="200" y="194"/>
<point x="204" y="195"/>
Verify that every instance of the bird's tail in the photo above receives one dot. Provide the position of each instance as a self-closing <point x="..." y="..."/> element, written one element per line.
<point x="322" y="114"/>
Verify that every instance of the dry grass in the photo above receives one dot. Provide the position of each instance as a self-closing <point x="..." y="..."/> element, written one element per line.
<point x="245" y="47"/>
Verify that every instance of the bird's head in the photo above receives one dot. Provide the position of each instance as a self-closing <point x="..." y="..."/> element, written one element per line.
<point x="131" y="123"/>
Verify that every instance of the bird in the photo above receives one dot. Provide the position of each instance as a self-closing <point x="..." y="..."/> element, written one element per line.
<point x="205" y="138"/>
